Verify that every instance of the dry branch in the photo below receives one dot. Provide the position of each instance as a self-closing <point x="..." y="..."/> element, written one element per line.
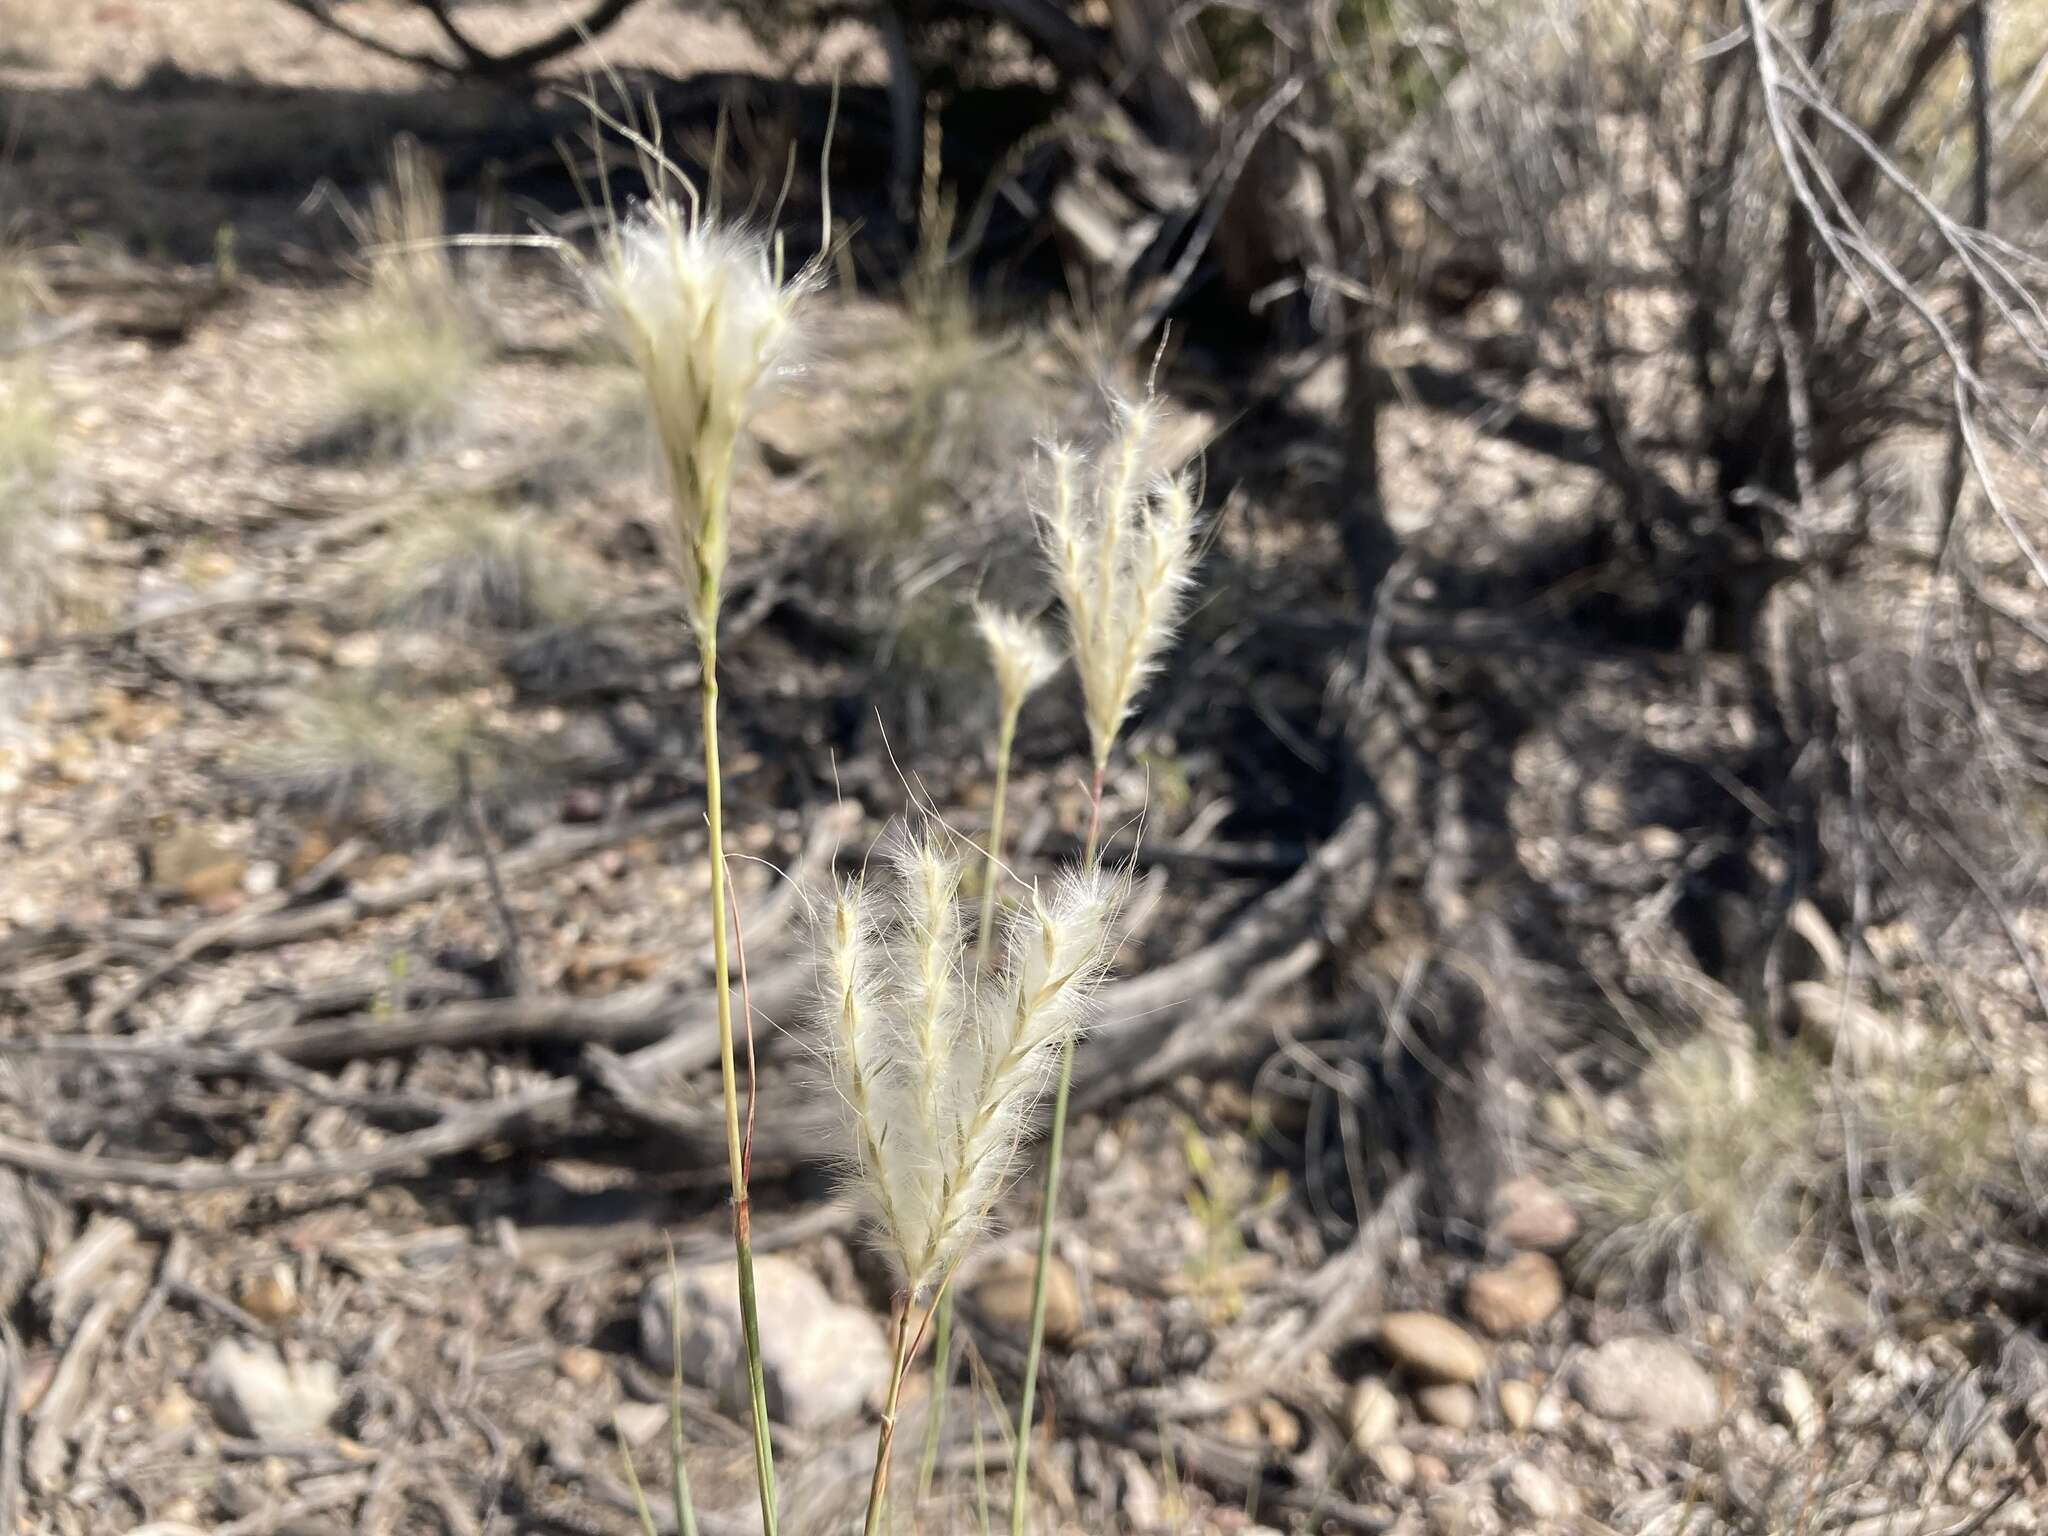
<point x="461" y="1130"/>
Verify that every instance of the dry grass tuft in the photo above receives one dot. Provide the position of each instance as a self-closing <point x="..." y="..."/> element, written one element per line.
<point x="472" y="568"/>
<point x="30" y="464"/>
<point x="407" y="353"/>
<point x="1742" y="1162"/>
<point x="1688" y="1207"/>
<point x="383" y="757"/>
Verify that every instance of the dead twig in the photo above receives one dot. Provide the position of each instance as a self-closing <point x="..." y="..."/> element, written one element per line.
<point x="460" y="1130"/>
<point x="517" y="976"/>
<point x="48" y="1443"/>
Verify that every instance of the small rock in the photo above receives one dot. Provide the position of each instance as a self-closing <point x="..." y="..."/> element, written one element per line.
<point x="1144" y="1506"/>
<point x="822" y="1361"/>
<point x="1449" y="1403"/>
<point x="1431" y="1348"/>
<point x="641" y="1422"/>
<point x="1796" y="1405"/>
<point x="1370" y="1413"/>
<point x="256" y="1394"/>
<point x="271" y="1295"/>
<point x="1003" y="1296"/>
<point x="1518" y="1403"/>
<point x="1515" y="1297"/>
<point x="172" y="1410"/>
<point x="582" y="1365"/>
<point x="1241" y="1426"/>
<point x="1281" y="1428"/>
<point x="260" y="878"/>
<point x="1394" y="1462"/>
<point x="1648" y="1380"/>
<point x="1431" y="1471"/>
<point x="364" y="648"/>
<point x="1661" y="845"/>
<point x="1527" y="1489"/>
<point x="1529" y="1214"/>
<point x="1839" y="1024"/>
<point x="791" y="433"/>
<point x="193" y="863"/>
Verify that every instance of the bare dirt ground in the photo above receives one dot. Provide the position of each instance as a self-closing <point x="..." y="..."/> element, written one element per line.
<point x="332" y="1189"/>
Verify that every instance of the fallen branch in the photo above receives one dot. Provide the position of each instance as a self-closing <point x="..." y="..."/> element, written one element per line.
<point x="461" y="1130"/>
<point x="49" y="1443"/>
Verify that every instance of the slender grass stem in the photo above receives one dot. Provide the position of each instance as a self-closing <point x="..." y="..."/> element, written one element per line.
<point x="1006" y="735"/>
<point x="878" y="1489"/>
<point x="1020" y="1477"/>
<point x="679" y="1471"/>
<point x="942" y="1387"/>
<point x="942" y="1375"/>
<point x="750" y="1322"/>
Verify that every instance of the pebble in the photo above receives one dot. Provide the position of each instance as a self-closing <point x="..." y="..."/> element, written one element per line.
<point x="1529" y="1214"/>
<point x="1430" y="1347"/>
<point x="1003" y="1297"/>
<point x="1526" y="1489"/>
<point x="1515" y="1297"/>
<point x="641" y="1422"/>
<point x="1371" y="1412"/>
<point x="582" y="1365"/>
<point x="822" y="1360"/>
<point x="1449" y="1403"/>
<point x="270" y="1295"/>
<point x="1793" y="1398"/>
<point x="255" y="1393"/>
<point x="1649" y="1380"/>
<point x="1518" y="1403"/>
<point x="1431" y="1471"/>
<point x="173" y="1410"/>
<point x="1394" y="1462"/>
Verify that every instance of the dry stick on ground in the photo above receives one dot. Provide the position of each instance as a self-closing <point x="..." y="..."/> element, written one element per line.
<point x="65" y="1397"/>
<point x="548" y="851"/>
<point x="471" y="58"/>
<point x="12" y="1364"/>
<point x="462" y="1129"/>
<point x="518" y="978"/>
<point x="207" y="934"/>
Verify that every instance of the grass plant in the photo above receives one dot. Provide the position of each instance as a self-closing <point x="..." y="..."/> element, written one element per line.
<point x="937" y="1068"/>
<point x="707" y="316"/>
<point x="407" y="352"/>
<point x="1119" y="534"/>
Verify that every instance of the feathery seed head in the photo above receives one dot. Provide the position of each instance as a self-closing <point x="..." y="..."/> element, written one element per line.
<point x="1023" y="655"/>
<point x="707" y="317"/>
<point x="1118" y="532"/>
<point x="938" y="1069"/>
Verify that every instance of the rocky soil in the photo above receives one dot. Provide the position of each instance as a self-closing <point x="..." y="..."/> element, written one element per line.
<point x="358" y="1162"/>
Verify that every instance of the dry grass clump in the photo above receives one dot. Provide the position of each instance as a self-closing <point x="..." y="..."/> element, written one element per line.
<point x="938" y="1066"/>
<point x="30" y="463"/>
<point x="1689" y="1206"/>
<point x="472" y="568"/>
<point x="1742" y="1162"/>
<point x="407" y="353"/>
<point x="383" y="757"/>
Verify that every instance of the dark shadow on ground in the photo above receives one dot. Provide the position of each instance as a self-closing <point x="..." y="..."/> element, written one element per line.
<point x="161" y="170"/>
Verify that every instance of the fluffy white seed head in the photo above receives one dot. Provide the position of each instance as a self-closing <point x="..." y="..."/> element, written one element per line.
<point x="1118" y="531"/>
<point x="707" y="317"/>
<point x="937" y="1069"/>
<point x="1023" y="655"/>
